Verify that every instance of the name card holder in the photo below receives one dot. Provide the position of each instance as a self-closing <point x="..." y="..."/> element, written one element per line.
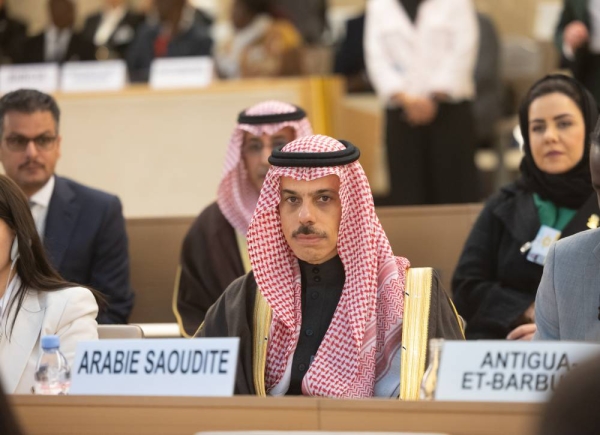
<point x="40" y="76"/>
<point x="94" y="76"/>
<point x="162" y="367"/>
<point x="507" y="371"/>
<point x="181" y="72"/>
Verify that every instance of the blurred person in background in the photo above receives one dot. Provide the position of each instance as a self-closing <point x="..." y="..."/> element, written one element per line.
<point x="112" y="30"/>
<point x="13" y="34"/>
<point x="34" y="300"/>
<point x="214" y="251"/>
<point x="262" y="45"/>
<point x="83" y="229"/>
<point x="577" y="39"/>
<point x="308" y="16"/>
<point x="420" y="56"/>
<point x="350" y="57"/>
<point x="488" y="103"/>
<point x="174" y="29"/>
<point x="496" y="279"/>
<point x="59" y="42"/>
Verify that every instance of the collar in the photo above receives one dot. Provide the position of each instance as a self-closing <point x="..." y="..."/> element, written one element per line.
<point x="42" y="197"/>
<point x="331" y="273"/>
<point x="55" y="32"/>
<point x="5" y="299"/>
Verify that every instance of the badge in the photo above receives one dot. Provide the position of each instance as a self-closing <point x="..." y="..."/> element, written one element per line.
<point x="593" y="222"/>
<point x="541" y="244"/>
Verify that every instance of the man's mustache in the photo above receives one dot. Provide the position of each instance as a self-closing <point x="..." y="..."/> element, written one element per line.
<point x="30" y="163"/>
<point x="308" y="230"/>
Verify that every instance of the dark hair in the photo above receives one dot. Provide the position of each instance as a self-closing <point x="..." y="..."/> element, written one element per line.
<point x="552" y="85"/>
<point x="8" y="422"/>
<point x="32" y="266"/>
<point x="28" y="101"/>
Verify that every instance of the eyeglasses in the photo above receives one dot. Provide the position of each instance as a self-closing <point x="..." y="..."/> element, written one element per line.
<point x="19" y="143"/>
<point x="256" y="148"/>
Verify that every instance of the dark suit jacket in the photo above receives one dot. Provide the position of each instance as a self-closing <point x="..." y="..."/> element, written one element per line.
<point x="494" y="283"/>
<point x="195" y="41"/>
<point x="12" y="37"/>
<point x="86" y="241"/>
<point x="78" y="49"/>
<point x="121" y="38"/>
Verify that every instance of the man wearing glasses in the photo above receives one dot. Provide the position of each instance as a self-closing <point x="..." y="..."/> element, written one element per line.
<point x="82" y="228"/>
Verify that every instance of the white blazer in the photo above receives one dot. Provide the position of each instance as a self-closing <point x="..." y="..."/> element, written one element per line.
<point x="69" y="313"/>
<point x="436" y="53"/>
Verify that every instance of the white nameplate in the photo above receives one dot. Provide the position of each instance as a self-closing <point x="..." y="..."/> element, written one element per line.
<point x="40" y="76"/>
<point x="163" y="367"/>
<point x="103" y="76"/>
<point x="507" y="371"/>
<point x="181" y="72"/>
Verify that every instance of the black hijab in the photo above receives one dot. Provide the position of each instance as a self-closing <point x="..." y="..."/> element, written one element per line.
<point x="574" y="187"/>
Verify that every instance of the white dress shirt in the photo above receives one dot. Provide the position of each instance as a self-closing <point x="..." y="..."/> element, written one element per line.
<point x="4" y="301"/>
<point x="39" y="203"/>
<point x="436" y="53"/>
<point x="108" y="24"/>
<point x="56" y="44"/>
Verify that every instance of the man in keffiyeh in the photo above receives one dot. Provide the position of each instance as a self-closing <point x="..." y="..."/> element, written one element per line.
<point x="214" y="252"/>
<point x="324" y="310"/>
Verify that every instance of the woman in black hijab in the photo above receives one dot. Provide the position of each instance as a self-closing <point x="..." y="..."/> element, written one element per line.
<point x="500" y="268"/>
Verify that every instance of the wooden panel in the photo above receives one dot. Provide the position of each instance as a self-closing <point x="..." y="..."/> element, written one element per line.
<point x="160" y="416"/>
<point x="454" y="418"/>
<point x="154" y="247"/>
<point x="430" y="235"/>
<point x="53" y="415"/>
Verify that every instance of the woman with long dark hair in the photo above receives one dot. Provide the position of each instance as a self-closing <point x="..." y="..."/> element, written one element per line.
<point x="34" y="300"/>
<point x="501" y="266"/>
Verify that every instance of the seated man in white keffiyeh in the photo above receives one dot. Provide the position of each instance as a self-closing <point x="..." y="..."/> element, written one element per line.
<point x="324" y="311"/>
<point x="214" y="251"/>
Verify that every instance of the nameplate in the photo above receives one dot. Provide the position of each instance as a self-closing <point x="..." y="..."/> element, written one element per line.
<point x="102" y="76"/>
<point x="40" y="76"/>
<point x="162" y="367"/>
<point x="507" y="371"/>
<point x="181" y="72"/>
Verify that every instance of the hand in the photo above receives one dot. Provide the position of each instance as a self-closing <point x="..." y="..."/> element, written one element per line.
<point x="575" y="34"/>
<point x="418" y="110"/>
<point x="524" y="332"/>
<point x="529" y="314"/>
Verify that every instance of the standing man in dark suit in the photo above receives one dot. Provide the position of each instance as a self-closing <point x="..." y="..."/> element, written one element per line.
<point x="83" y="229"/>
<point x="175" y="30"/>
<point x="112" y="30"/>
<point x="577" y="39"/>
<point x="59" y="42"/>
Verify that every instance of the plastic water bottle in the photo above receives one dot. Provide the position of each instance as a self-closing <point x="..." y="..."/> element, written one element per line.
<point x="52" y="374"/>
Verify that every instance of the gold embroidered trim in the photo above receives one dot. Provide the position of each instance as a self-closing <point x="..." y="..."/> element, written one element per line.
<point x="174" y="304"/>
<point x="243" y="248"/>
<point x="417" y="303"/>
<point x="261" y="326"/>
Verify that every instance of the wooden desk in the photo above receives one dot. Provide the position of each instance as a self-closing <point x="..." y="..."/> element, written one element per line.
<point x="178" y="415"/>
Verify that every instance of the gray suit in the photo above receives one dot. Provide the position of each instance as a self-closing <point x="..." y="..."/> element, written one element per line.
<point x="566" y="305"/>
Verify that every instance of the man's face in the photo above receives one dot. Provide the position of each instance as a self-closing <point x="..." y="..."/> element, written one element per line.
<point x="62" y="13"/>
<point x="166" y="8"/>
<point x="30" y="148"/>
<point x="310" y="217"/>
<point x="256" y="151"/>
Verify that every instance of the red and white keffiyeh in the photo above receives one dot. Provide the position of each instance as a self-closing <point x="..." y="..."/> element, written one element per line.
<point x="236" y="196"/>
<point x="365" y="333"/>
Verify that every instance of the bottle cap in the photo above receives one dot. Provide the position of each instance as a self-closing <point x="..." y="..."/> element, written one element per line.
<point x="50" y="342"/>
